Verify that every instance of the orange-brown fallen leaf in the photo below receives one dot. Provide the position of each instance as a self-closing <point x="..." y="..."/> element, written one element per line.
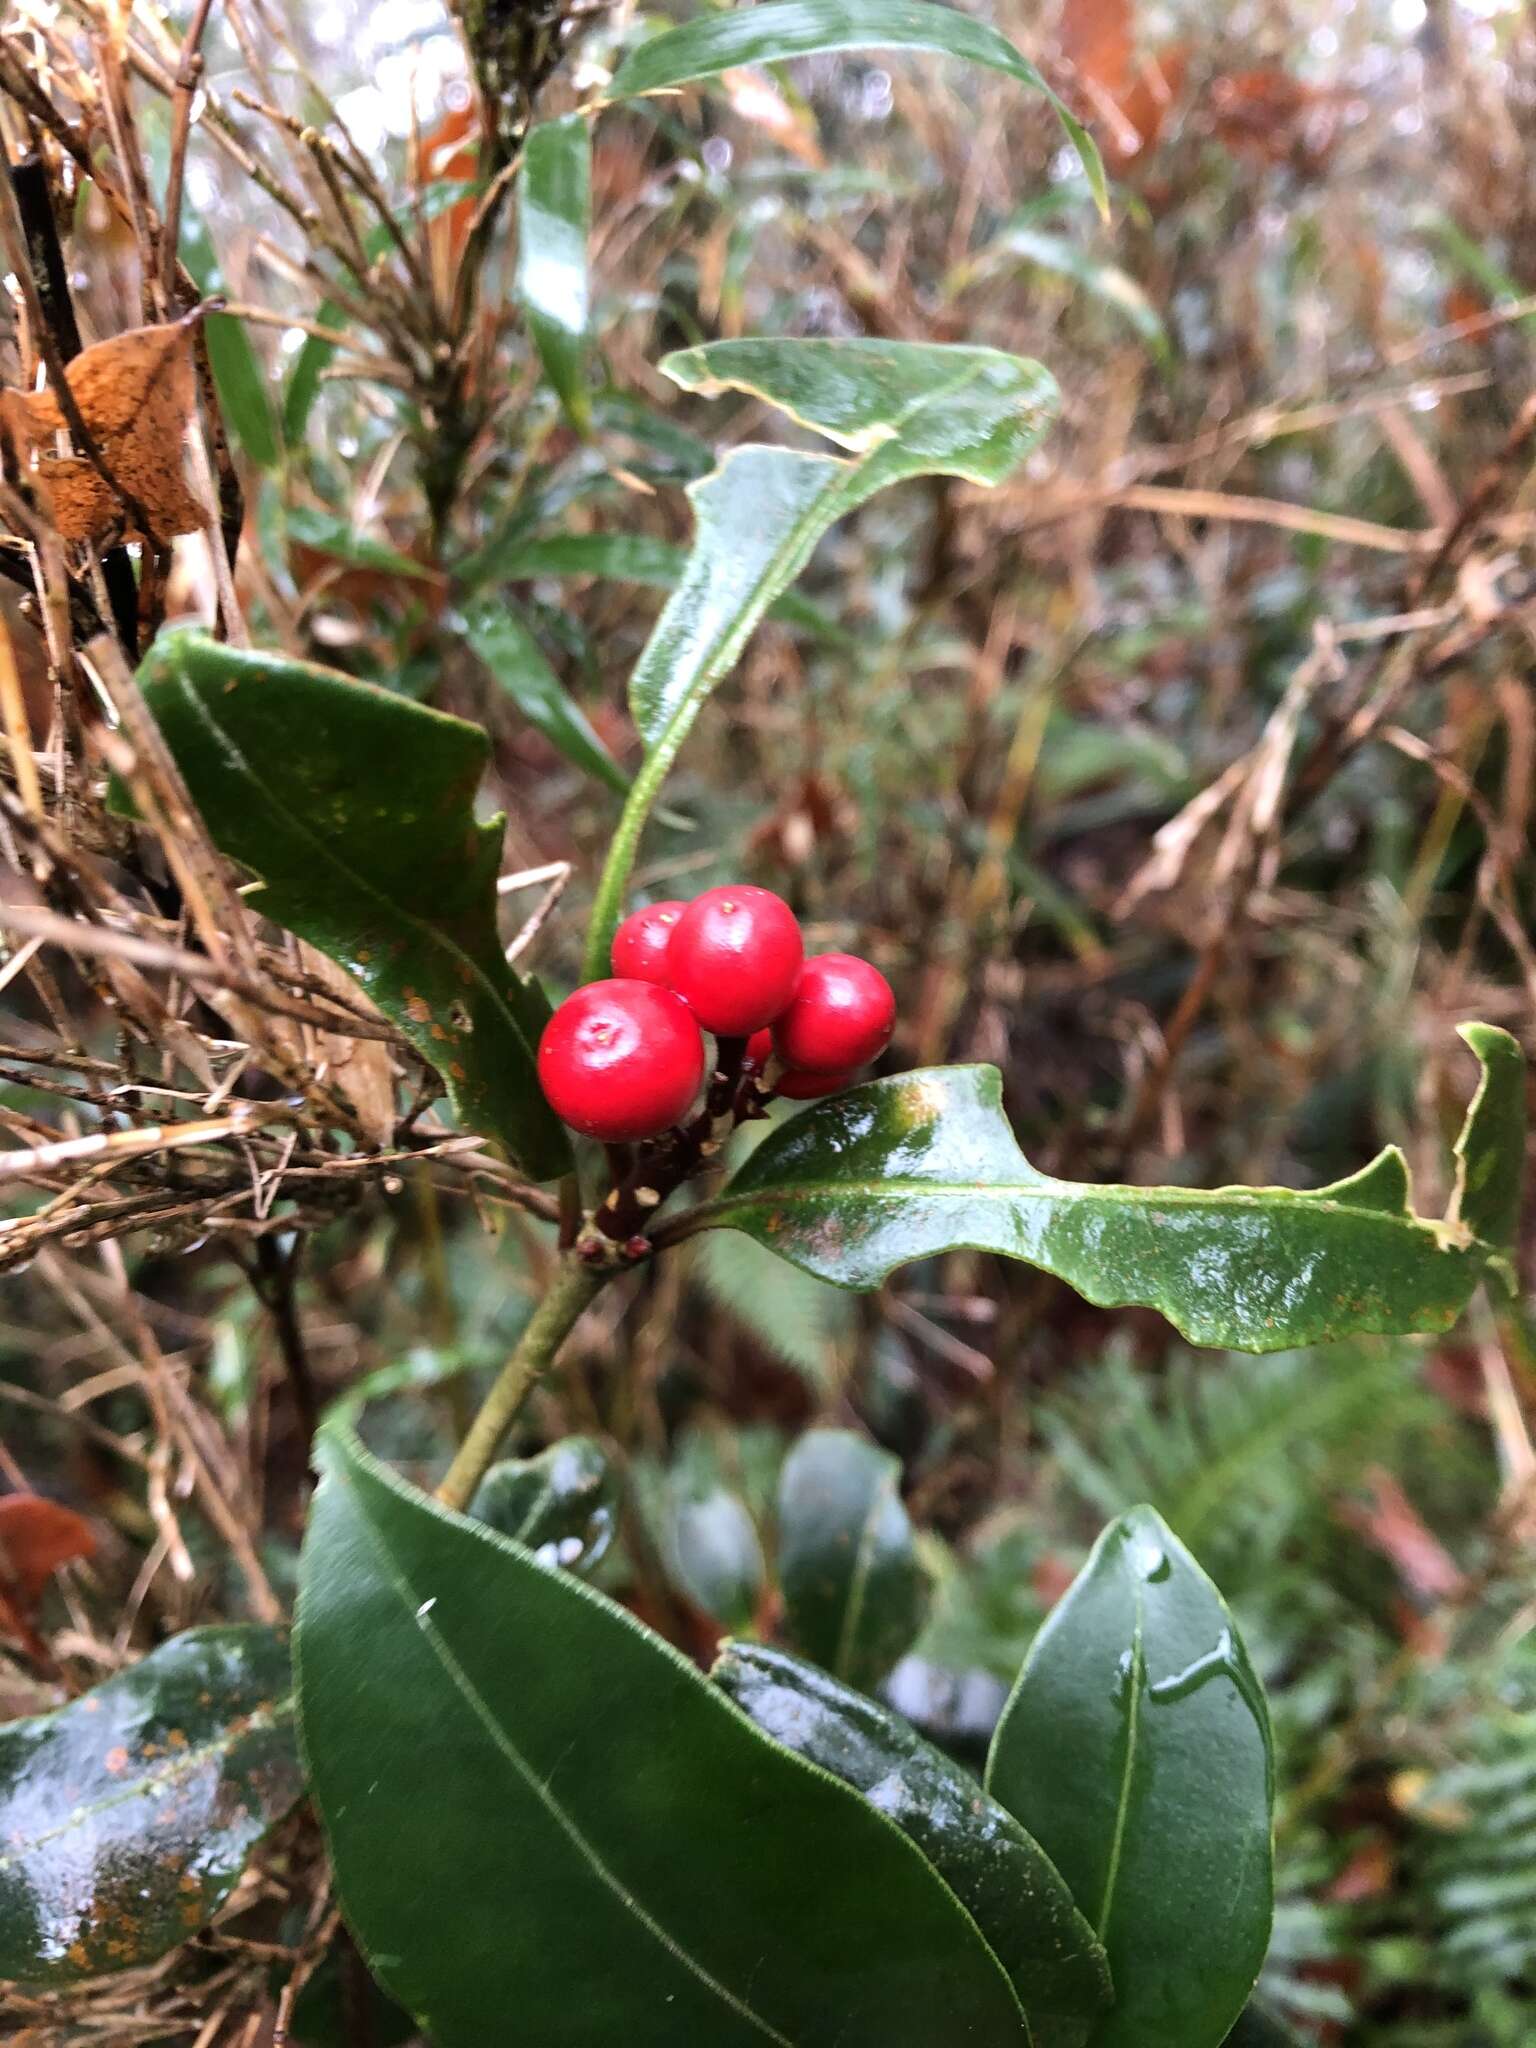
<point x="136" y="393"/>
<point x="36" y="1537"/>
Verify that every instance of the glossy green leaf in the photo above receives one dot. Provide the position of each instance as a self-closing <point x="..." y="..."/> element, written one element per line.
<point x="128" y="1817"/>
<point x="777" y="30"/>
<point x="554" y="222"/>
<point x="355" y="808"/>
<point x="712" y="1549"/>
<point x="562" y="1505"/>
<point x="1005" y="1880"/>
<point x="903" y="409"/>
<point x="620" y="1854"/>
<point x="514" y="657"/>
<point x="921" y="1163"/>
<point x="855" y="1592"/>
<point x="1135" y="1749"/>
<point x="1490" y="1151"/>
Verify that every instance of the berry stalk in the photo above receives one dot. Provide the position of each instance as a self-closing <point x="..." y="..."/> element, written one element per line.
<point x="574" y="1287"/>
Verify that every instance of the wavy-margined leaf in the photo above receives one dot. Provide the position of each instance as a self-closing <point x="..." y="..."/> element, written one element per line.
<point x="562" y="1505"/>
<point x="779" y="29"/>
<point x="1135" y="1748"/>
<point x="1490" y="1152"/>
<point x="503" y="642"/>
<point x="855" y="1591"/>
<point x="355" y="809"/>
<point x="921" y="1163"/>
<point x="626" y="1857"/>
<point x="127" y="1817"/>
<point x="902" y="409"/>
<point x="1005" y="1880"/>
<point x="554" y="218"/>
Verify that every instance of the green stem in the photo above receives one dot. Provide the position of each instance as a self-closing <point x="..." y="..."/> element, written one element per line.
<point x="613" y="883"/>
<point x="575" y="1284"/>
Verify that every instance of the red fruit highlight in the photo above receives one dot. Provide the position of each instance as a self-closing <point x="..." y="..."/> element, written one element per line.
<point x="621" y="1059"/>
<point x="802" y="1087"/>
<point x="842" y="1016"/>
<point x="734" y="958"/>
<point x="641" y="941"/>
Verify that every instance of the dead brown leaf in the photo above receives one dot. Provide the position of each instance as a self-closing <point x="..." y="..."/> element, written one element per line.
<point x="36" y="1537"/>
<point x="137" y="394"/>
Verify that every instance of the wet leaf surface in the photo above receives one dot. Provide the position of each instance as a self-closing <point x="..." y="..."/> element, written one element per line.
<point x="627" y="1858"/>
<point x="713" y="1552"/>
<point x="127" y="1817"/>
<point x="903" y="1168"/>
<point x="562" y="1505"/>
<point x="1135" y="1748"/>
<point x="356" y="810"/>
<point x="1004" y="1880"/>
<point x="904" y="409"/>
<point x="855" y="1594"/>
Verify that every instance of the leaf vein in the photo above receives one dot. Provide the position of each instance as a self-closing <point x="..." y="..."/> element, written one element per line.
<point x="479" y="1709"/>
<point x="1128" y="1770"/>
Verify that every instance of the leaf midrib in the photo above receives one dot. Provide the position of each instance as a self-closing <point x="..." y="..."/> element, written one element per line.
<point x="479" y="1709"/>
<point x="260" y="1721"/>
<point x="1127" y="1771"/>
<point x="841" y="496"/>
<point x="1045" y="1190"/>
<point x="434" y="936"/>
<point x="675" y="725"/>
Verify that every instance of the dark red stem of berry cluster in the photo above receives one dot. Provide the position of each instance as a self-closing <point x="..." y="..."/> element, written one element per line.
<point x="618" y="1233"/>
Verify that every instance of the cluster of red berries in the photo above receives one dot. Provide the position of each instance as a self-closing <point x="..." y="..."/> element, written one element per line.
<point x="624" y="1059"/>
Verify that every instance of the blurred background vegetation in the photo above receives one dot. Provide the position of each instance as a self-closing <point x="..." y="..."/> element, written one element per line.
<point x="1187" y="778"/>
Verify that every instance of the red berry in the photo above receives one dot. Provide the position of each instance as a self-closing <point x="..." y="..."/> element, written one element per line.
<point x="803" y="1087"/>
<point x="734" y="958"/>
<point x="621" y="1060"/>
<point x="641" y="941"/>
<point x="759" y="1051"/>
<point x="842" y="1016"/>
